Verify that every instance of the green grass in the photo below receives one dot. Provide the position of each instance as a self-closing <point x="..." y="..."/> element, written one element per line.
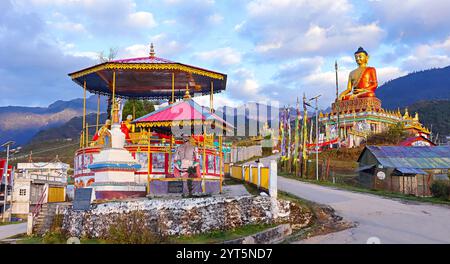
<point x="221" y="236"/>
<point x="382" y="193"/>
<point x="25" y="239"/>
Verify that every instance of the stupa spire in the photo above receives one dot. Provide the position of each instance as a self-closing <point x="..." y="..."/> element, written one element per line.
<point x="152" y="50"/>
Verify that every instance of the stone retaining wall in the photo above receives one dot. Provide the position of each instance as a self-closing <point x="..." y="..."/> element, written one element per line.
<point x="179" y="216"/>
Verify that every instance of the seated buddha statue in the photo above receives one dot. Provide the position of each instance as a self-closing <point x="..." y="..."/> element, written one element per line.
<point x="127" y="127"/>
<point x="103" y="136"/>
<point x="362" y="82"/>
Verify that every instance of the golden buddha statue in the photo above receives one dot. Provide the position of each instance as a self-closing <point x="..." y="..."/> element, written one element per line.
<point x="103" y="136"/>
<point x="362" y="82"/>
<point x="127" y="127"/>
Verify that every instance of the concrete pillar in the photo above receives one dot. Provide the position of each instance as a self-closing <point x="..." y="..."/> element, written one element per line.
<point x="250" y="173"/>
<point x="30" y="224"/>
<point x="259" y="174"/>
<point x="273" y="179"/>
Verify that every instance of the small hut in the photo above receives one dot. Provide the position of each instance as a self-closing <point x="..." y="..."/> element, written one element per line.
<point x="407" y="170"/>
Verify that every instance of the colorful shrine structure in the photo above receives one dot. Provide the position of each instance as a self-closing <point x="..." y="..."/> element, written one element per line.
<point x="357" y="112"/>
<point x="148" y="156"/>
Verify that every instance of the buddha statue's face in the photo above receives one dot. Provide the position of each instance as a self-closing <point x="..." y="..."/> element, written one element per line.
<point x="361" y="58"/>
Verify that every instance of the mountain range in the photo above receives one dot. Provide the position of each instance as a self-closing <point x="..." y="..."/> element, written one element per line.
<point x="21" y="124"/>
<point x="432" y="84"/>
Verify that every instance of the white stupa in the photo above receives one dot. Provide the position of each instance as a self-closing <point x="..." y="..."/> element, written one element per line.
<point x="114" y="168"/>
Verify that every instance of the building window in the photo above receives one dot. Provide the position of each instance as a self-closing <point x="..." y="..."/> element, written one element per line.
<point x="23" y="192"/>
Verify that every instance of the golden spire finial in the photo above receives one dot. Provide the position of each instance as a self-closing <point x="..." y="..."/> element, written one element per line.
<point x="187" y="96"/>
<point x="152" y="50"/>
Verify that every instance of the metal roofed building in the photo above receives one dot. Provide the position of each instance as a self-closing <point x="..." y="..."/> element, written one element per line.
<point x="405" y="169"/>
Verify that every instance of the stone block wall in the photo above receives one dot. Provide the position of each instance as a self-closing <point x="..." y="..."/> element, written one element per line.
<point x="179" y="216"/>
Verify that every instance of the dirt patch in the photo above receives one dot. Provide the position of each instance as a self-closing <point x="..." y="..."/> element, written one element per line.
<point x="324" y="220"/>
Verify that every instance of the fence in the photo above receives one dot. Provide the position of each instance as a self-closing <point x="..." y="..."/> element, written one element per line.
<point x="260" y="176"/>
<point x="243" y="153"/>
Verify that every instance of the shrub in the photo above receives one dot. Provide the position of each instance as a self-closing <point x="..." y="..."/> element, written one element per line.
<point x="440" y="189"/>
<point x="132" y="228"/>
<point x="54" y="237"/>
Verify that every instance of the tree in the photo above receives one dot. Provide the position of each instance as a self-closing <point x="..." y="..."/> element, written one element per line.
<point x="139" y="107"/>
<point x="102" y="59"/>
<point x="394" y="135"/>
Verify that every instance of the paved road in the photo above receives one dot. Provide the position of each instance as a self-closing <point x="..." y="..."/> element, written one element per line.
<point x="391" y="221"/>
<point x="11" y="230"/>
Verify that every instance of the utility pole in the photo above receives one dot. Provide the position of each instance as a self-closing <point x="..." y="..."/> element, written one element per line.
<point x="5" y="174"/>
<point x="317" y="141"/>
<point x="317" y="134"/>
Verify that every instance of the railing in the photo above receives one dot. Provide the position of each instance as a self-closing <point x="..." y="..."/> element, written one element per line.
<point x="38" y="207"/>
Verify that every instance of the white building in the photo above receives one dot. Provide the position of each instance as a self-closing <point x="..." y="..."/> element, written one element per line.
<point x="34" y="182"/>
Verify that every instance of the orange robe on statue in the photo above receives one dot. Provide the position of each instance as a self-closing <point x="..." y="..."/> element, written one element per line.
<point x="366" y="86"/>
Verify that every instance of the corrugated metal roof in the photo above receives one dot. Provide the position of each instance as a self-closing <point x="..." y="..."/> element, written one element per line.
<point x="411" y="171"/>
<point x="363" y="168"/>
<point x="437" y="157"/>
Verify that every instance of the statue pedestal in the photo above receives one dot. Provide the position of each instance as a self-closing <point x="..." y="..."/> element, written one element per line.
<point x="114" y="169"/>
<point x="358" y="104"/>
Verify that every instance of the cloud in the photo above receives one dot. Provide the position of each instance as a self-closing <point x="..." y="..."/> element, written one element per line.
<point x="164" y="46"/>
<point x="221" y="57"/>
<point x="426" y="56"/>
<point x="142" y="19"/>
<point x="32" y="64"/>
<point x="291" y="72"/>
<point x="243" y="85"/>
<point x="219" y="100"/>
<point x="285" y="29"/>
<point x="195" y="16"/>
<point x="215" y="18"/>
<point x="411" y="21"/>
<point x="99" y="17"/>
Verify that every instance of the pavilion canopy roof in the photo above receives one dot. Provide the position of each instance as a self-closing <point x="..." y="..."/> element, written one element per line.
<point x="184" y="112"/>
<point x="149" y="78"/>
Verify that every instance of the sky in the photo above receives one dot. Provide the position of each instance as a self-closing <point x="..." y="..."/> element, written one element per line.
<point x="270" y="49"/>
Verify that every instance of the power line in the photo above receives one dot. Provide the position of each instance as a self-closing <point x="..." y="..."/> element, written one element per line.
<point x="45" y="150"/>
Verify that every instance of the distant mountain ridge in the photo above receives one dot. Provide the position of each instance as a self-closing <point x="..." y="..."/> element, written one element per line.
<point x="429" y="84"/>
<point x="70" y="129"/>
<point x="20" y="124"/>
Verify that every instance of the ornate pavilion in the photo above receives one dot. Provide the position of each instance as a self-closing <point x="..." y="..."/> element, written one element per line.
<point x="147" y="155"/>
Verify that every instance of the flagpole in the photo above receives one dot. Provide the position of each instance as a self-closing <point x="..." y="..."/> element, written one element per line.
<point x="337" y="104"/>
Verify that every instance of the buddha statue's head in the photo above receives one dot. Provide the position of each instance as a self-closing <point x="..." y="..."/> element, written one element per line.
<point x="129" y="118"/>
<point x="361" y="57"/>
